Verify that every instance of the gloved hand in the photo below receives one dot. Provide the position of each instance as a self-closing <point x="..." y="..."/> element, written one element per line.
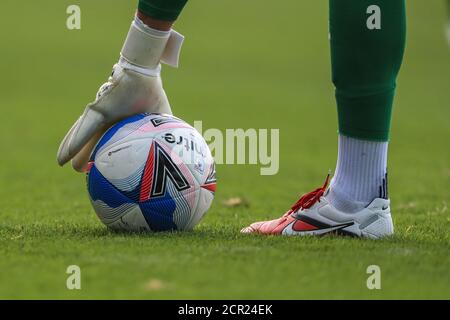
<point x="135" y="86"/>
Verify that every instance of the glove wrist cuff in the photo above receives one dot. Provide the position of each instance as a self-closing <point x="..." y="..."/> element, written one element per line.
<point x="146" y="48"/>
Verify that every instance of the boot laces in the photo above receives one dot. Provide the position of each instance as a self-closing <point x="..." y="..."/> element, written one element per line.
<point x="308" y="200"/>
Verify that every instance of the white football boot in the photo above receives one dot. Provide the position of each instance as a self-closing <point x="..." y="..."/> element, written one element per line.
<point x="313" y="215"/>
<point x="135" y="86"/>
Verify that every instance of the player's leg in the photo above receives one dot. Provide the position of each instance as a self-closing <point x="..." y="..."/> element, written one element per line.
<point x="366" y="56"/>
<point x="367" y="42"/>
<point x="135" y="85"/>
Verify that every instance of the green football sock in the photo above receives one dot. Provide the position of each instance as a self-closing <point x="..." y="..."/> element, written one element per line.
<point x="367" y="42"/>
<point x="167" y="10"/>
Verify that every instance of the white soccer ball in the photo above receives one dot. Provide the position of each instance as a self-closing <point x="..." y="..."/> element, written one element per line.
<point x="151" y="172"/>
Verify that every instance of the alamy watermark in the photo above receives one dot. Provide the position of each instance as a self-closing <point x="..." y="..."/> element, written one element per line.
<point x="73" y="281"/>
<point x="73" y="21"/>
<point x="374" y="20"/>
<point x="374" y="280"/>
<point x="249" y="146"/>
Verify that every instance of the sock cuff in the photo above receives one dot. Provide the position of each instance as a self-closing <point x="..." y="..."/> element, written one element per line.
<point x="361" y="167"/>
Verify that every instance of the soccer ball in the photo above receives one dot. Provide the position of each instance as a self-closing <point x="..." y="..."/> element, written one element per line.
<point x="151" y="172"/>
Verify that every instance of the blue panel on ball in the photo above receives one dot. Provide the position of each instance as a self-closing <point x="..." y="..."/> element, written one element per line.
<point x="158" y="212"/>
<point x="101" y="189"/>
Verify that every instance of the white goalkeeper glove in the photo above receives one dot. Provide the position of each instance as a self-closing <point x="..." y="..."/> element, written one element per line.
<point x="135" y="86"/>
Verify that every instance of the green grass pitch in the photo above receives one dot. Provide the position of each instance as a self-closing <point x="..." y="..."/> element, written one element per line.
<point x="256" y="67"/>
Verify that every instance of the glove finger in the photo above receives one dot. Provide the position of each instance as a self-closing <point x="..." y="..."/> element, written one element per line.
<point x="80" y="161"/>
<point x="81" y="132"/>
<point x="62" y="156"/>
